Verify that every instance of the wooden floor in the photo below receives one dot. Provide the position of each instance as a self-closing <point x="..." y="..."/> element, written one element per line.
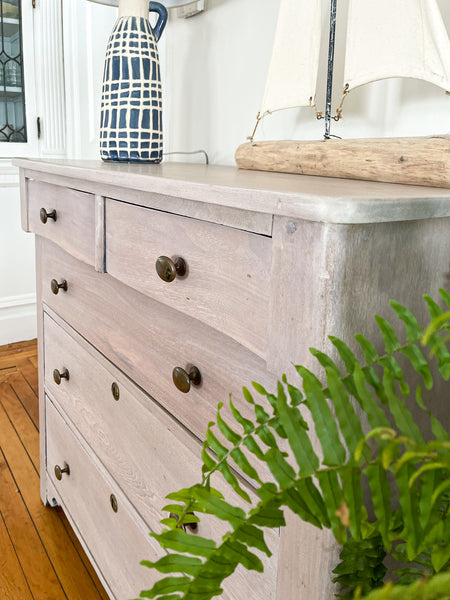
<point x="40" y="557"/>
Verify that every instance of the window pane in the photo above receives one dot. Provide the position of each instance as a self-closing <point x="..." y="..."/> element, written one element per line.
<point x="12" y="96"/>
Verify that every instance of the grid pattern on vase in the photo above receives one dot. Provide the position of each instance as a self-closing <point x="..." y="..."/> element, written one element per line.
<point x="131" y="115"/>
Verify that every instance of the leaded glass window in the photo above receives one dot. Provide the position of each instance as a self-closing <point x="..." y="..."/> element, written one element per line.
<point x="12" y="95"/>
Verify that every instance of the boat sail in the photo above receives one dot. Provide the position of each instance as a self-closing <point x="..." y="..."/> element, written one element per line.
<point x="292" y="83"/>
<point x="378" y="48"/>
<point x="385" y="39"/>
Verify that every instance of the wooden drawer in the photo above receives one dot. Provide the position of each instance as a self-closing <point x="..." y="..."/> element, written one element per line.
<point x="226" y="284"/>
<point x="147" y="453"/>
<point x="118" y="541"/>
<point x="74" y="228"/>
<point x="148" y="345"/>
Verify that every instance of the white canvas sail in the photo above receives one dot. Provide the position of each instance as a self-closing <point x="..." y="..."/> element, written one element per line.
<point x="396" y="38"/>
<point x="292" y="76"/>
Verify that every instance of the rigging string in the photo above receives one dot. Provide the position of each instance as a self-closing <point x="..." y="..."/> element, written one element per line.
<point x="339" y="108"/>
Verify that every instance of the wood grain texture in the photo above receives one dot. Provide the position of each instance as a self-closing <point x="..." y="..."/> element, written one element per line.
<point x="33" y="531"/>
<point x="149" y="345"/>
<point x="227" y="270"/>
<point x="12" y="579"/>
<point x="332" y="261"/>
<point x="23" y="184"/>
<point x="117" y="540"/>
<point x="74" y="228"/>
<point x="118" y="432"/>
<point x="415" y="161"/>
<point x="99" y="234"/>
<point x="323" y="199"/>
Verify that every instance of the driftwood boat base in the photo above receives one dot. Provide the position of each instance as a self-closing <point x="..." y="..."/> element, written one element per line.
<point x="411" y="160"/>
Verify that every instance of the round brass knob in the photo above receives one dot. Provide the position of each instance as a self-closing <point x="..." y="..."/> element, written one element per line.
<point x="183" y="380"/>
<point x="168" y="269"/>
<point x="55" y="286"/>
<point x="191" y="526"/>
<point x="59" y="472"/>
<point x="44" y="215"/>
<point x="57" y="375"/>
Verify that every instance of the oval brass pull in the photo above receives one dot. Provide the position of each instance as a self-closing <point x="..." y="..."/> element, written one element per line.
<point x="44" y="215"/>
<point x="59" y="472"/>
<point x="114" y="504"/>
<point x="192" y="526"/>
<point x="57" y="376"/>
<point x="55" y="286"/>
<point x="115" y="390"/>
<point x="168" y="269"/>
<point x="183" y="380"/>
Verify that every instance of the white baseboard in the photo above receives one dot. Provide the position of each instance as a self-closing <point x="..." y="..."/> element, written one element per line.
<point x="17" y="318"/>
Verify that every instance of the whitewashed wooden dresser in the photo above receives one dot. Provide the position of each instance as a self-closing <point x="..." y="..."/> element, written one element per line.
<point x="145" y="272"/>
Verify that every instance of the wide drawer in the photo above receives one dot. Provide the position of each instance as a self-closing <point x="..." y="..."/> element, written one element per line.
<point x="117" y="541"/>
<point x="146" y="452"/>
<point x="74" y="227"/>
<point x="147" y="340"/>
<point x="226" y="284"/>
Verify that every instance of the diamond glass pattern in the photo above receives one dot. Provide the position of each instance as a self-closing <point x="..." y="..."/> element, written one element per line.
<point x="12" y="97"/>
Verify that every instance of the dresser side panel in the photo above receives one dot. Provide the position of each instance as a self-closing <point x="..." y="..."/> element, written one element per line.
<point x="41" y="341"/>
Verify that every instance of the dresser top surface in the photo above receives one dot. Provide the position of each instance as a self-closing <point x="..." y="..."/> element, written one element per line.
<point x="298" y="196"/>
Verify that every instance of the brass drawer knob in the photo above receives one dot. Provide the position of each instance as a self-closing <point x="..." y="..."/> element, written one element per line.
<point x="59" y="472"/>
<point x="44" y="215"/>
<point x="183" y="380"/>
<point x="55" y="286"/>
<point x="191" y="526"/>
<point x="115" y="391"/>
<point x="57" y="375"/>
<point x="168" y="269"/>
<point x="114" y="504"/>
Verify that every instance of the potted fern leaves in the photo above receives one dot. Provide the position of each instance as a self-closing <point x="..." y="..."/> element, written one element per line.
<point x="361" y="411"/>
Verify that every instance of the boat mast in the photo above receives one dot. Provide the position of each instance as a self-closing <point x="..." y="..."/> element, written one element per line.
<point x="330" y="68"/>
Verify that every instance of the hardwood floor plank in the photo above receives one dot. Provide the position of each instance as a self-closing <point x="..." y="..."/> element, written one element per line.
<point x="74" y="578"/>
<point x="5" y="373"/>
<point x="81" y="552"/>
<point x="24" y="545"/>
<point x="13" y="584"/>
<point x="21" y="354"/>
<point x="18" y="347"/>
<point x="25" y="429"/>
<point x="26" y="395"/>
<point x="36" y="566"/>
<point x="30" y="374"/>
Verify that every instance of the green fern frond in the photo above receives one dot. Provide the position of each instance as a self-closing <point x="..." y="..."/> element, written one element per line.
<point x="323" y="490"/>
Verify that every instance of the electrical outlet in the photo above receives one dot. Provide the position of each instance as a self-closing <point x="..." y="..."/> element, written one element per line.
<point x="189" y="10"/>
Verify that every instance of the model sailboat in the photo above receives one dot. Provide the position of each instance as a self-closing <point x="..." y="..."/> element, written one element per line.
<point x="385" y="38"/>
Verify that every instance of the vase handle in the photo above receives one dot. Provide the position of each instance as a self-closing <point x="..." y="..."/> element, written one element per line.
<point x="162" y="20"/>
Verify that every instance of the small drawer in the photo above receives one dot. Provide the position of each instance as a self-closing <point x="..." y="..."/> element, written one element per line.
<point x="226" y="271"/>
<point x="64" y="216"/>
<point x="146" y="452"/>
<point x="148" y="340"/>
<point x="118" y="541"/>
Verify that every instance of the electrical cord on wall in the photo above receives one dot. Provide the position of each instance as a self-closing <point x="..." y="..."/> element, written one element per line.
<point x="193" y="152"/>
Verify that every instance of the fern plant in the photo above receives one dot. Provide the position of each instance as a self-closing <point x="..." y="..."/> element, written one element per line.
<point x="325" y="491"/>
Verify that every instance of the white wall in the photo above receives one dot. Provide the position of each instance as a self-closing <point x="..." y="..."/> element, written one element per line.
<point x="17" y="277"/>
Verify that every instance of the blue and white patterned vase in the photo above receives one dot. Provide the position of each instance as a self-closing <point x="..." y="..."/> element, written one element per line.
<point x="131" y="110"/>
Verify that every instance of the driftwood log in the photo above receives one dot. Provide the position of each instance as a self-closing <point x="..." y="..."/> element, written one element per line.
<point x="414" y="160"/>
